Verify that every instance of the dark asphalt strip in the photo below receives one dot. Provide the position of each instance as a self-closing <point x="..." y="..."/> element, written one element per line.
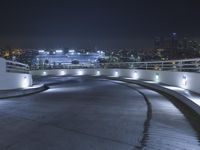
<point x="142" y="142"/>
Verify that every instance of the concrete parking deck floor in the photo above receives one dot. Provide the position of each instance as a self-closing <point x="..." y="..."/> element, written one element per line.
<point x="84" y="113"/>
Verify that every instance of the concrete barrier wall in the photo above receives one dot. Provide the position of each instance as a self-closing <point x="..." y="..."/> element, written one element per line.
<point x="3" y="65"/>
<point x="187" y="80"/>
<point x="10" y="80"/>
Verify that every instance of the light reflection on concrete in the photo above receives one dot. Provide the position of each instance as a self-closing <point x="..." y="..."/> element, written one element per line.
<point x="119" y="82"/>
<point x="173" y="88"/>
<point x="193" y="97"/>
<point x="66" y="89"/>
<point x="33" y="87"/>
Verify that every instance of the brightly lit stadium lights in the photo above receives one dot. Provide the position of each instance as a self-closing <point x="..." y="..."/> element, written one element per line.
<point x="59" y="51"/>
<point x="71" y="51"/>
<point x="41" y="51"/>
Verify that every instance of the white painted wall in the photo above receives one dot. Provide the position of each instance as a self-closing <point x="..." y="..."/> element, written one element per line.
<point x="187" y="80"/>
<point x="13" y="80"/>
<point x="2" y="65"/>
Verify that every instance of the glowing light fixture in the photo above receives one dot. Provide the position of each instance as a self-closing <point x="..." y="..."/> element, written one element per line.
<point x="44" y="73"/>
<point x="135" y="75"/>
<point x="116" y="74"/>
<point x="184" y="80"/>
<point x="62" y="73"/>
<point x="80" y="72"/>
<point x="25" y="82"/>
<point x="157" y="77"/>
<point x="98" y="73"/>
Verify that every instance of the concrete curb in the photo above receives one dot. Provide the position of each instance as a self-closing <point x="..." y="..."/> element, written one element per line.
<point x="22" y="92"/>
<point x="159" y="88"/>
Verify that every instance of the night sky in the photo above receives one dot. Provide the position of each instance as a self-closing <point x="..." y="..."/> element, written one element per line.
<point x="103" y="24"/>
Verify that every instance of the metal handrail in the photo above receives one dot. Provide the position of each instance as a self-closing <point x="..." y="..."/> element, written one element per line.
<point x="16" y="67"/>
<point x="186" y="65"/>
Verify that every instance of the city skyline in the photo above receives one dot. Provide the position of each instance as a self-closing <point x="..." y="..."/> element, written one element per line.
<point x="71" y="43"/>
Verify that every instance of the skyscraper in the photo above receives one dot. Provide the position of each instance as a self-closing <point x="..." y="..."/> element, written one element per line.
<point x="174" y="41"/>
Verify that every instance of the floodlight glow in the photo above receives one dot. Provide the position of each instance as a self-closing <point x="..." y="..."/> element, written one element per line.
<point x="62" y="73"/>
<point x="102" y="52"/>
<point x="71" y="51"/>
<point x="98" y="73"/>
<point x="44" y="73"/>
<point x="59" y="51"/>
<point x="25" y="82"/>
<point x="41" y="51"/>
<point x="80" y="72"/>
<point x="116" y="74"/>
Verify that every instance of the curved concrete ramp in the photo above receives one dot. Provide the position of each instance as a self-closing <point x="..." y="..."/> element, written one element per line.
<point x="84" y="113"/>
